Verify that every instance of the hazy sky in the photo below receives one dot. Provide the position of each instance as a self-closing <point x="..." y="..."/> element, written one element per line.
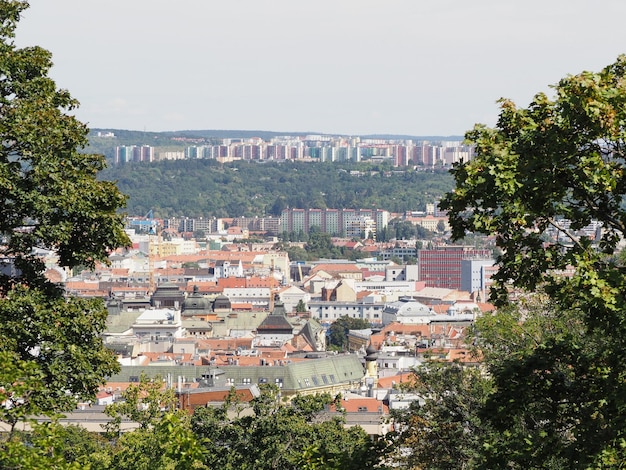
<point x="417" y="67"/>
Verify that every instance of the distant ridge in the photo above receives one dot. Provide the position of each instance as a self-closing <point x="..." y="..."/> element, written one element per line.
<point x="412" y="137"/>
<point x="233" y="134"/>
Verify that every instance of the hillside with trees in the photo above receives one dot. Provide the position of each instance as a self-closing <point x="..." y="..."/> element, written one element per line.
<point x="206" y="188"/>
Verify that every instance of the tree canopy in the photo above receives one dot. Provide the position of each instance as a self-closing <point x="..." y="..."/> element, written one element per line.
<point x="338" y="331"/>
<point x="206" y="188"/>
<point x="264" y="434"/>
<point x="549" y="182"/>
<point x="50" y="350"/>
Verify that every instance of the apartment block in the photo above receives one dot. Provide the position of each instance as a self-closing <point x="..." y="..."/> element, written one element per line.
<point x="340" y="222"/>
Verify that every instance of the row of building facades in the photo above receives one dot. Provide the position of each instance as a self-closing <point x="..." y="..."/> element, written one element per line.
<point x="400" y="153"/>
<point x="350" y="223"/>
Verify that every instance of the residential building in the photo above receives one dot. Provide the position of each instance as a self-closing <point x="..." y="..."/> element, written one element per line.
<point x="335" y="221"/>
<point x="329" y="311"/>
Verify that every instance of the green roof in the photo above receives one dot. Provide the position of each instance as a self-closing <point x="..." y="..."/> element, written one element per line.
<point x="306" y="375"/>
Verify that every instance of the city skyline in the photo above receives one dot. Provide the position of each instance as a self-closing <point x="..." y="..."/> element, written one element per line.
<point x="351" y="68"/>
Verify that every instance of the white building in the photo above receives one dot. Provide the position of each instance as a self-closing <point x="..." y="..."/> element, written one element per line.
<point x="407" y="311"/>
<point x="329" y="311"/>
<point x="257" y="296"/>
<point x="225" y="268"/>
<point x="158" y="328"/>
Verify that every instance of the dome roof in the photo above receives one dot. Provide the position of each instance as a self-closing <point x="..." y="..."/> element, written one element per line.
<point x="221" y="302"/>
<point x="372" y="353"/>
<point x="196" y="304"/>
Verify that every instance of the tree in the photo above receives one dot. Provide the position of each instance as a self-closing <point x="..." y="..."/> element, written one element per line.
<point x="338" y="330"/>
<point x="278" y="207"/>
<point x="319" y="244"/>
<point x="52" y="199"/>
<point x="278" y="435"/>
<point x="444" y="430"/>
<point x="441" y="226"/>
<point x="164" y="439"/>
<point x="509" y="412"/>
<point x="142" y="403"/>
<point x="539" y="178"/>
<point x="50" y="445"/>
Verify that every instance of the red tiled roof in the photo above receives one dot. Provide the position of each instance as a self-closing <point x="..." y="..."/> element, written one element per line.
<point x="390" y="381"/>
<point x="362" y="405"/>
<point x="231" y="282"/>
<point x="336" y="268"/>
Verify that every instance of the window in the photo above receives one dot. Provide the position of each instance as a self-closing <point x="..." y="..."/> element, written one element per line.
<point x="332" y="378"/>
<point x="279" y="382"/>
<point x="324" y="378"/>
<point x="307" y="383"/>
<point x="315" y="380"/>
<point x="262" y="380"/>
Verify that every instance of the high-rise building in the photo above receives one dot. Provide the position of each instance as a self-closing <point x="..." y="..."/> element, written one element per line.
<point x="476" y="275"/>
<point x="134" y="153"/>
<point x="441" y="266"/>
<point x="338" y="222"/>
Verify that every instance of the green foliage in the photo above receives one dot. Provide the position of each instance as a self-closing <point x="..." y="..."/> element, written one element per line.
<point x="543" y="174"/>
<point x="205" y="188"/>
<point x="282" y="436"/>
<point x="533" y="402"/>
<point x="41" y="169"/>
<point x="338" y="331"/>
<point x="558" y="159"/>
<point x="47" y="446"/>
<point x="164" y="438"/>
<point x="142" y="403"/>
<point x="51" y="354"/>
<point x="169" y="443"/>
<point x="398" y="229"/>
<point x="319" y="245"/>
<point x="266" y="434"/>
<point x="445" y="431"/>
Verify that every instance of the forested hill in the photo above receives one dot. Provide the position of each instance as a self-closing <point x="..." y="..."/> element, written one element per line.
<point x="205" y="188"/>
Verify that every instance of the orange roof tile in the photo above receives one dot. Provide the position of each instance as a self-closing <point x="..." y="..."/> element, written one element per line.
<point x="336" y="268"/>
<point x="390" y="381"/>
<point x="362" y="405"/>
<point x="231" y="282"/>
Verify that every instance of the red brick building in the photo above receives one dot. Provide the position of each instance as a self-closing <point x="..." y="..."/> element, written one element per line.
<point x="441" y="266"/>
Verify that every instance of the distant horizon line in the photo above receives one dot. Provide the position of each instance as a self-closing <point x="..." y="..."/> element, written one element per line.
<point x="298" y="133"/>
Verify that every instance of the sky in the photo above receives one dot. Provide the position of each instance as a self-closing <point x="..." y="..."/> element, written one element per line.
<point x="348" y="67"/>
